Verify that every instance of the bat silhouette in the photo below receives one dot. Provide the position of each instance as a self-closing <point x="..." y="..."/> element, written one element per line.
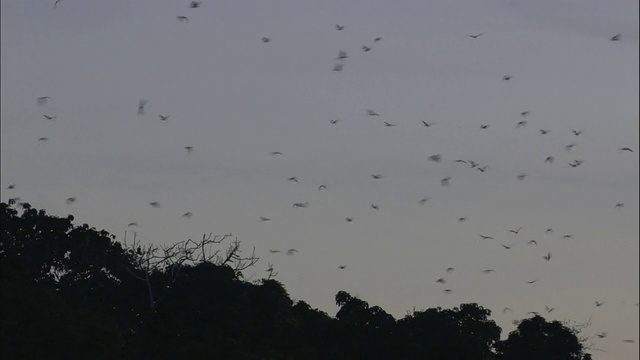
<point x="426" y="124"/>
<point x="517" y="231"/>
<point x="141" y="105"/>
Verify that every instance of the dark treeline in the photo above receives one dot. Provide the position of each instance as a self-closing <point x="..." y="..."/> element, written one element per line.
<point x="72" y="292"/>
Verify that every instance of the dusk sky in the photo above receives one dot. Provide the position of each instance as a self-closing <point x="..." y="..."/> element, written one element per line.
<point x="235" y="99"/>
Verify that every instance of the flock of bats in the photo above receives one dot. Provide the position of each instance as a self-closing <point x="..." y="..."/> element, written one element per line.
<point x="436" y="158"/>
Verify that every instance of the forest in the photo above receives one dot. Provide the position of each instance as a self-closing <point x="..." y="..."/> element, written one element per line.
<point x="74" y="292"/>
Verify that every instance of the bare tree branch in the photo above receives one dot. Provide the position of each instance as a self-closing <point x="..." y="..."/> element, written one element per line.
<point x="169" y="260"/>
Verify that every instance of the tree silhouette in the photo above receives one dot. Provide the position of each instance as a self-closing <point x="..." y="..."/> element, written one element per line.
<point x="537" y="339"/>
<point x="459" y="333"/>
<point x="73" y="292"/>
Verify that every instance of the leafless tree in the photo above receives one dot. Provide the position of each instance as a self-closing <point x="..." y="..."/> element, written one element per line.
<point x="149" y="260"/>
<point x="271" y="271"/>
<point x="578" y="329"/>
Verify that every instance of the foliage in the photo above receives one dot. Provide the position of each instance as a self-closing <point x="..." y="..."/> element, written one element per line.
<point x="74" y="292"/>
<point x="537" y="339"/>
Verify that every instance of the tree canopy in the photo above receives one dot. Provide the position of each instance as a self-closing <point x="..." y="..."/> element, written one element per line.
<point x="72" y="291"/>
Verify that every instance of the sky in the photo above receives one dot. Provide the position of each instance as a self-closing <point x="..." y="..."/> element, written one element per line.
<point x="235" y="99"/>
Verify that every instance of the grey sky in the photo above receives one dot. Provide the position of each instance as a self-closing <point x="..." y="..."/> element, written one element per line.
<point x="235" y="99"/>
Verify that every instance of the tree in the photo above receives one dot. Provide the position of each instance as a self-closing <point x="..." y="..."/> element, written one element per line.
<point x="75" y="292"/>
<point x="460" y="333"/>
<point x="537" y="339"/>
<point x="363" y="332"/>
<point x="52" y="273"/>
<point x="165" y="263"/>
